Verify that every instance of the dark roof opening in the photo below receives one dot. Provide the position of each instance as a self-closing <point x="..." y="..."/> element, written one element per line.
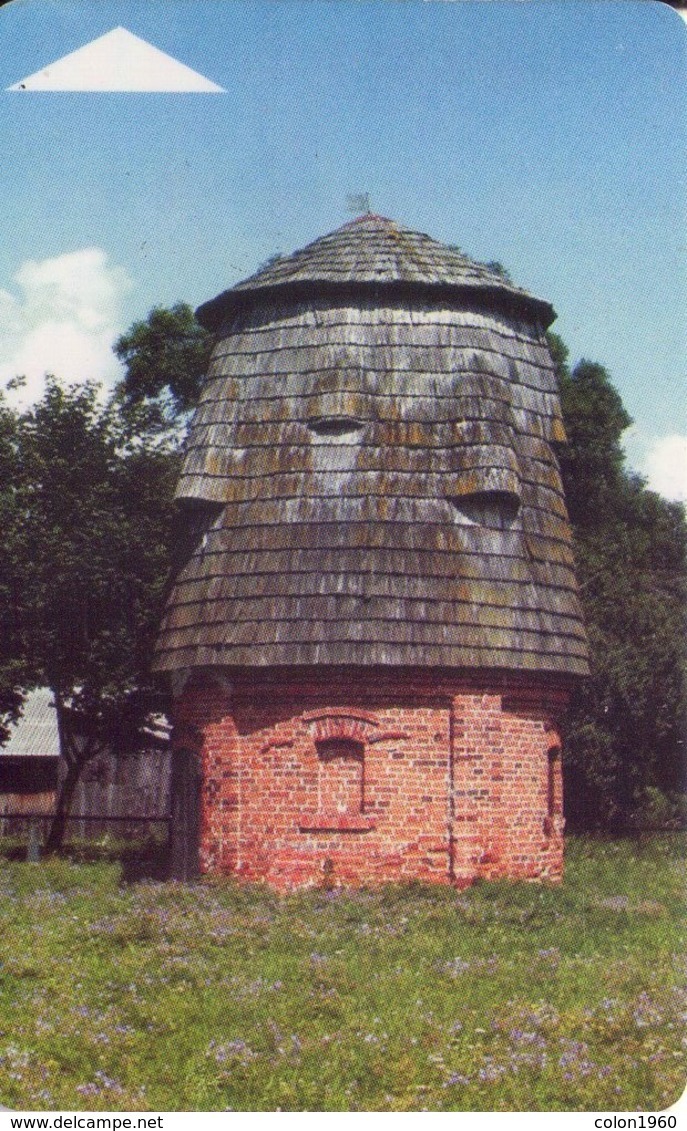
<point x="335" y="426"/>
<point x="495" y="509"/>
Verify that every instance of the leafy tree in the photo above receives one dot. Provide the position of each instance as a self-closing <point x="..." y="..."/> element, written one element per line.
<point x="626" y="723"/>
<point x="96" y="509"/>
<point x="13" y="673"/>
<point x="166" y="358"/>
<point x="592" y="462"/>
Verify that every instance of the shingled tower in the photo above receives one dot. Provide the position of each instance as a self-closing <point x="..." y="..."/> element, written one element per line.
<point x="374" y="623"/>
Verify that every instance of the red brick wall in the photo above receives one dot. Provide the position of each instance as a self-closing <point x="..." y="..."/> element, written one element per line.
<point x="351" y="776"/>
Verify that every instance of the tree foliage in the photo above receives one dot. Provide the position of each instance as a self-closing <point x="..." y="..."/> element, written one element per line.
<point x="166" y="358"/>
<point x="13" y="668"/>
<point x="94" y="516"/>
<point x="626" y="724"/>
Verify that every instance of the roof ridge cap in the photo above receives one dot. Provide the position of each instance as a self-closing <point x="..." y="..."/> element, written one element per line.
<point x="367" y="216"/>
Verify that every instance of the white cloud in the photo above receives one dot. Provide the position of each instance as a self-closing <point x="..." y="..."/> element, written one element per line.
<point x="662" y="460"/>
<point x="665" y="466"/>
<point x="62" y="319"/>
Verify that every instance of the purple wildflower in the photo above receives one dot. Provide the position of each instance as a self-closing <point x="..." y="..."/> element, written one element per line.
<point x="236" y="1050"/>
<point x="454" y="967"/>
<point x="491" y="1071"/>
<point x="614" y="903"/>
<point x="646" y="1012"/>
<point x="575" y="1059"/>
<point x="88" y="1089"/>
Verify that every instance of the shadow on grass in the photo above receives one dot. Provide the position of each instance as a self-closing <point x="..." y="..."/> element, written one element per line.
<point x="137" y="869"/>
<point x="139" y="861"/>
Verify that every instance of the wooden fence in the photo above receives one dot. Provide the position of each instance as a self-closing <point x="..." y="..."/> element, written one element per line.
<point x="119" y="796"/>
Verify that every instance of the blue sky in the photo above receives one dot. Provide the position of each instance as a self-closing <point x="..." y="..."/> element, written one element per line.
<point x="550" y="136"/>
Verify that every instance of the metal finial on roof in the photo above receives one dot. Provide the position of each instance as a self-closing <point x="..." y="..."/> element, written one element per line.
<point x="358" y="202"/>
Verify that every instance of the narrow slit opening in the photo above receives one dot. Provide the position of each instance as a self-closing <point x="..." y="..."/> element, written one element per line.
<point x="335" y="426"/>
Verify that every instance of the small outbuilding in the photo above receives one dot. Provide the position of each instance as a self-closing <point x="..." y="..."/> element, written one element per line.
<point x="374" y="625"/>
<point x="117" y="792"/>
<point x="29" y="762"/>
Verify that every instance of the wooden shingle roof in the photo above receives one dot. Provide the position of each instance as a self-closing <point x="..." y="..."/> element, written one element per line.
<point x="369" y="252"/>
<point x="370" y="476"/>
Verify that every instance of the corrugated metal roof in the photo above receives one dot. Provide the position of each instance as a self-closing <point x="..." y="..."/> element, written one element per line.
<point x="35" y="734"/>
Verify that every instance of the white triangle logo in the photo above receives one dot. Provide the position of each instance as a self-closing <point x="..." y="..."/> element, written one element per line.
<point x="119" y="61"/>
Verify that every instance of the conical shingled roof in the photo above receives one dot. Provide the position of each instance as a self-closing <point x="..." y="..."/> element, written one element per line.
<point x="370" y="477"/>
<point x="372" y="252"/>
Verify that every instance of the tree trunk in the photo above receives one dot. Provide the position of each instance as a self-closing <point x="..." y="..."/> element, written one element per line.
<point x="64" y="801"/>
<point x="74" y="763"/>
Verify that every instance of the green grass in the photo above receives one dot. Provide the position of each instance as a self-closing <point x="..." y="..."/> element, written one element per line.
<point x="215" y="997"/>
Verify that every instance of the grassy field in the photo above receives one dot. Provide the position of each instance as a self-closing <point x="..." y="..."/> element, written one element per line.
<point x="213" y="997"/>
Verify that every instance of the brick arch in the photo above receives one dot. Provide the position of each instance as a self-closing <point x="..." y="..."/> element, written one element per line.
<point x="341" y="725"/>
<point x="328" y="748"/>
<point x="340" y="737"/>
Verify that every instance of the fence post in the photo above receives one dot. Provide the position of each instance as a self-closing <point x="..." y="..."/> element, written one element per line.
<point x="33" y="847"/>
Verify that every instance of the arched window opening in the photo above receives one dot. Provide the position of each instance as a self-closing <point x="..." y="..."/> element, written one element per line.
<point x="341" y="776"/>
<point x="497" y="510"/>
